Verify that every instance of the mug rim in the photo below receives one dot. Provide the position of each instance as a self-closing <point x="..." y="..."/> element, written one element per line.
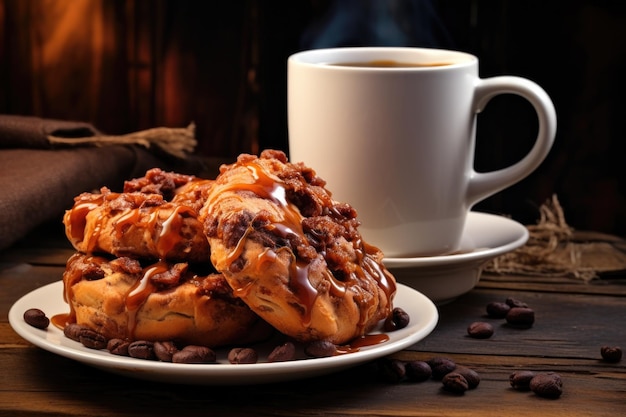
<point x="320" y="58"/>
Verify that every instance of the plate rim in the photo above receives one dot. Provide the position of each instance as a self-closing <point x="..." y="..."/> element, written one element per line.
<point x="478" y="255"/>
<point x="212" y="374"/>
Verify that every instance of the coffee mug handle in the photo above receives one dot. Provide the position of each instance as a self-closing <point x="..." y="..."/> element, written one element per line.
<point x="483" y="185"/>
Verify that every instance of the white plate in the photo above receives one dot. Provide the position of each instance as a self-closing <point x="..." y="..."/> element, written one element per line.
<point x="444" y="278"/>
<point x="421" y="310"/>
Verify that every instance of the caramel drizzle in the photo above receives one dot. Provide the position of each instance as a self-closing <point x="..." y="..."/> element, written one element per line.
<point x="170" y="234"/>
<point x="76" y="221"/>
<point x="168" y="237"/>
<point x="131" y="217"/>
<point x="134" y="300"/>
<point x="267" y="186"/>
<point x="63" y="319"/>
<point x="139" y="293"/>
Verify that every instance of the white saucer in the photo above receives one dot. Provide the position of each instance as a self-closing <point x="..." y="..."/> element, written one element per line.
<point x="444" y="278"/>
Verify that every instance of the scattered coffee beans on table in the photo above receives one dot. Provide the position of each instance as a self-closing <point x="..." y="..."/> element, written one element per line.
<point x="441" y="366"/>
<point x="454" y="378"/>
<point x="455" y="382"/>
<point x="418" y="371"/>
<point x="521" y="317"/>
<point x="497" y="310"/>
<point x="548" y="385"/>
<point x="520" y="380"/>
<point x="516" y="313"/>
<point x="611" y="353"/>
<point x="480" y="330"/>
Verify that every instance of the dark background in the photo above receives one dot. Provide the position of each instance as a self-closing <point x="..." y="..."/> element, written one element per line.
<point x="135" y="64"/>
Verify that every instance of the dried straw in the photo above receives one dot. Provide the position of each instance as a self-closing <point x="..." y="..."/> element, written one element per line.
<point x="548" y="252"/>
<point x="178" y="142"/>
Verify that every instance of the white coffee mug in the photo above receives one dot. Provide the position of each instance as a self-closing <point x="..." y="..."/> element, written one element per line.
<point x="397" y="142"/>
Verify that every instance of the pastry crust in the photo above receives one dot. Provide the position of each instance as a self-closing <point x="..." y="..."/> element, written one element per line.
<point x="155" y="218"/>
<point x="120" y="298"/>
<point x="292" y="253"/>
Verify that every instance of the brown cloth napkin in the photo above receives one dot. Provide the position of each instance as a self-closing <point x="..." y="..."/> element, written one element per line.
<point x="39" y="180"/>
<point x="32" y="132"/>
<point x="35" y="132"/>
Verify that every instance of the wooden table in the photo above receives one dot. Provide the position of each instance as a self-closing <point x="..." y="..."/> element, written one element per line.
<point x="573" y="320"/>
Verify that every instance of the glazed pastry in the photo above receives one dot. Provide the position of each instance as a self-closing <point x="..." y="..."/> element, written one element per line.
<point x="292" y="253"/>
<point x="121" y="298"/>
<point x="155" y="217"/>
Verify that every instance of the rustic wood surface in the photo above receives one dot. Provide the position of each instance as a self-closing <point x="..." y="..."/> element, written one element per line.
<point x="573" y="320"/>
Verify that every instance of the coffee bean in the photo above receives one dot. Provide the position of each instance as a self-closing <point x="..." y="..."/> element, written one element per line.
<point x="164" y="351"/>
<point x="141" y="349"/>
<point x="547" y="385"/>
<point x="118" y="347"/>
<point x="441" y="366"/>
<point x="398" y="319"/>
<point x="521" y="317"/>
<point x="393" y="370"/>
<point x="520" y="380"/>
<point x="455" y="382"/>
<point x="611" y="353"/>
<point x="36" y="318"/>
<point x="480" y="330"/>
<point x="194" y="354"/>
<point x="72" y="331"/>
<point x="320" y="349"/>
<point x="418" y="371"/>
<point x="282" y="353"/>
<point x="92" y="339"/>
<point x="242" y="355"/>
<point x="513" y="302"/>
<point x="497" y="310"/>
<point x="470" y="375"/>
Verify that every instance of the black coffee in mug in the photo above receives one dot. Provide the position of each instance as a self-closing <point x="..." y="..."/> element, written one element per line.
<point x="389" y="63"/>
